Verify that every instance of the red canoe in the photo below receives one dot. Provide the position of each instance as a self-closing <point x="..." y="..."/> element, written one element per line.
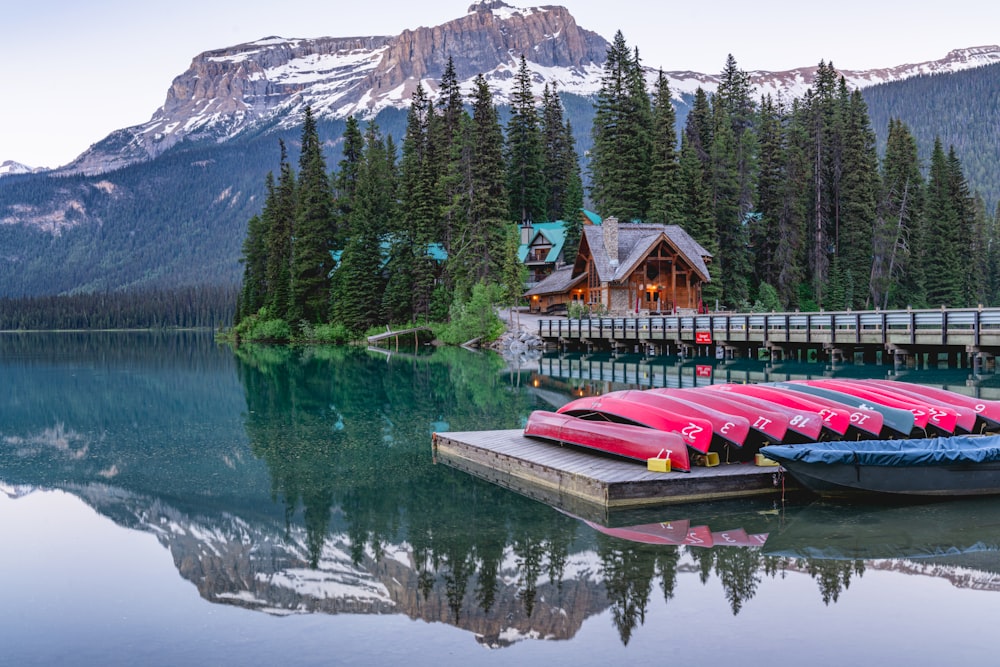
<point x="839" y="417"/>
<point x="730" y="428"/>
<point x="634" y="442"/>
<point x="803" y="425"/>
<point x="987" y="412"/>
<point x="938" y="418"/>
<point x="695" y="431"/>
<point x="771" y="425"/>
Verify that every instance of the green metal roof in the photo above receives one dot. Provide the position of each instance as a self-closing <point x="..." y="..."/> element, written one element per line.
<point x="554" y="233"/>
<point x="435" y="251"/>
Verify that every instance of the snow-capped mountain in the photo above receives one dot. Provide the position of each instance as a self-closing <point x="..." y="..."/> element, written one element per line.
<point x="270" y="81"/>
<point x="8" y="167"/>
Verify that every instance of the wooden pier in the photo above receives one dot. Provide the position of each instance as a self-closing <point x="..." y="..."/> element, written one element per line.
<point x="395" y="335"/>
<point x="961" y="337"/>
<point x="577" y="480"/>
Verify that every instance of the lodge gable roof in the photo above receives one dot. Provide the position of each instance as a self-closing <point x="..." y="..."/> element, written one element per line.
<point x="635" y="241"/>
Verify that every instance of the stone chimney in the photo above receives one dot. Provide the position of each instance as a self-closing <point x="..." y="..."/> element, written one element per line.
<point x="610" y="227"/>
<point x="527" y="231"/>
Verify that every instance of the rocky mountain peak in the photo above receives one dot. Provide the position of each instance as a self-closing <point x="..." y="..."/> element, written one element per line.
<point x="488" y="6"/>
<point x="227" y="90"/>
<point x="271" y="80"/>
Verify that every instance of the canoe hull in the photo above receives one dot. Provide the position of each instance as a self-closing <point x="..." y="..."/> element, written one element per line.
<point x="695" y="431"/>
<point x="634" y="442"/>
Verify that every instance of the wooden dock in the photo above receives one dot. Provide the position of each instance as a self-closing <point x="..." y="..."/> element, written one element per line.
<point x="577" y="480"/>
<point x="966" y="337"/>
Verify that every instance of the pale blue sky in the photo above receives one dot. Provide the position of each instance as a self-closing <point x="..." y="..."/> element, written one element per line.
<point x="74" y="71"/>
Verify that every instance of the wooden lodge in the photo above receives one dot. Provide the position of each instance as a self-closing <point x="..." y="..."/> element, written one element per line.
<point x="628" y="268"/>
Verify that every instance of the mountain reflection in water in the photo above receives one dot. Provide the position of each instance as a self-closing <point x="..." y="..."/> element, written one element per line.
<point x="294" y="481"/>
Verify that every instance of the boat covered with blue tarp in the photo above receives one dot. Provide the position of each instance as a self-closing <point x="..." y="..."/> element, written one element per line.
<point x="944" y="466"/>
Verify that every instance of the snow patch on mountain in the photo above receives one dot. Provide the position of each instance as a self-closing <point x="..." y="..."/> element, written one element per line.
<point x="9" y="168"/>
<point x="272" y="80"/>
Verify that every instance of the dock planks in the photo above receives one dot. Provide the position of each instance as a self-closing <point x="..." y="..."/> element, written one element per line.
<point x="572" y="479"/>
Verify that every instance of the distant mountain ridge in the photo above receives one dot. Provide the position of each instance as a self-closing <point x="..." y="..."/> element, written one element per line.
<point x="270" y="81"/>
<point x="8" y="167"/>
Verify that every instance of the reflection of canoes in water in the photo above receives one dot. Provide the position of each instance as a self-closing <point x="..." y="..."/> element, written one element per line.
<point x="716" y="524"/>
<point x="969" y="529"/>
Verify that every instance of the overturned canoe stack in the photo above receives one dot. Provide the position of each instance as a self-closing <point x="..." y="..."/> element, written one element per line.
<point x="737" y="420"/>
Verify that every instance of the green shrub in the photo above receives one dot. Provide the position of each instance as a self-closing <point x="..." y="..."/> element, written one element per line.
<point x="476" y="318"/>
<point x="263" y="329"/>
<point x="331" y="333"/>
<point x="579" y="310"/>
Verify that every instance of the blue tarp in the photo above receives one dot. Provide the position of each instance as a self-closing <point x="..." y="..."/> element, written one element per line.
<point x="916" y="452"/>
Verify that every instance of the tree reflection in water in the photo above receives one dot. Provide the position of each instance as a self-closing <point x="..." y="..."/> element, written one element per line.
<point x="344" y="437"/>
<point x="346" y="433"/>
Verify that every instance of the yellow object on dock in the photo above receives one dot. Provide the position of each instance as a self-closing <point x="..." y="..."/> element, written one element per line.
<point x="658" y="465"/>
<point x="708" y="459"/>
<point x="764" y="462"/>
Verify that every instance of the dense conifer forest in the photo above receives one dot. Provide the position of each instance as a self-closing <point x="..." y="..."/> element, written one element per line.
<point x="791" y="198"/>
<point x="203" y="306"/>
<point x="840" y="199"/>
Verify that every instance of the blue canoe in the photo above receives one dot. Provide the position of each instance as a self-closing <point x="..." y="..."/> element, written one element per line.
<point x="946" y="466"/>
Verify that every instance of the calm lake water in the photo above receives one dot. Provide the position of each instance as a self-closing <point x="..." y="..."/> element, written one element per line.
<point x="167" y="501"/>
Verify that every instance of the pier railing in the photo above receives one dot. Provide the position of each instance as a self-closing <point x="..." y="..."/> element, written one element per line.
<point x="967" y="327"/>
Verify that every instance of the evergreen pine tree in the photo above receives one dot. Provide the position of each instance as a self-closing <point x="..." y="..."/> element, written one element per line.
<point x="358" y="283"/>
<point x="561" y="169"/>
<point x="346" y="179"/>
<point x="789" y="252"/>
<point x="279" y="218"/>
<point x="314" y="232"/>
<point x="992" y="276"/>
<point x="253" y="294"/>
<point x="696" y="210"/>
<point x="733" y="243"/>
<point x="896" y="279"/>
<point x="764" y="238"/>
<point x="820" y="104"/>
<point x="941" y="254"/>
<point x="572" y="205"/>
<point x="477" y="249"/>
<point x="978" y="276"/>
<point x="859" y="190"/>
<point x="254" y="259"/>
<point x="523" y="152"/>
<point x="621" y="157"/>
<point x="735" y="97"/>
<point x="665" y="204"/>
<point x="412" y="280"/>
<point x="971" y="248"/>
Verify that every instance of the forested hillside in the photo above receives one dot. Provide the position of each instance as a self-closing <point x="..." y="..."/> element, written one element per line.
<point x="180" y="219"/>
<point x="176" y="221"/>
<point x="961" y="109"/>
